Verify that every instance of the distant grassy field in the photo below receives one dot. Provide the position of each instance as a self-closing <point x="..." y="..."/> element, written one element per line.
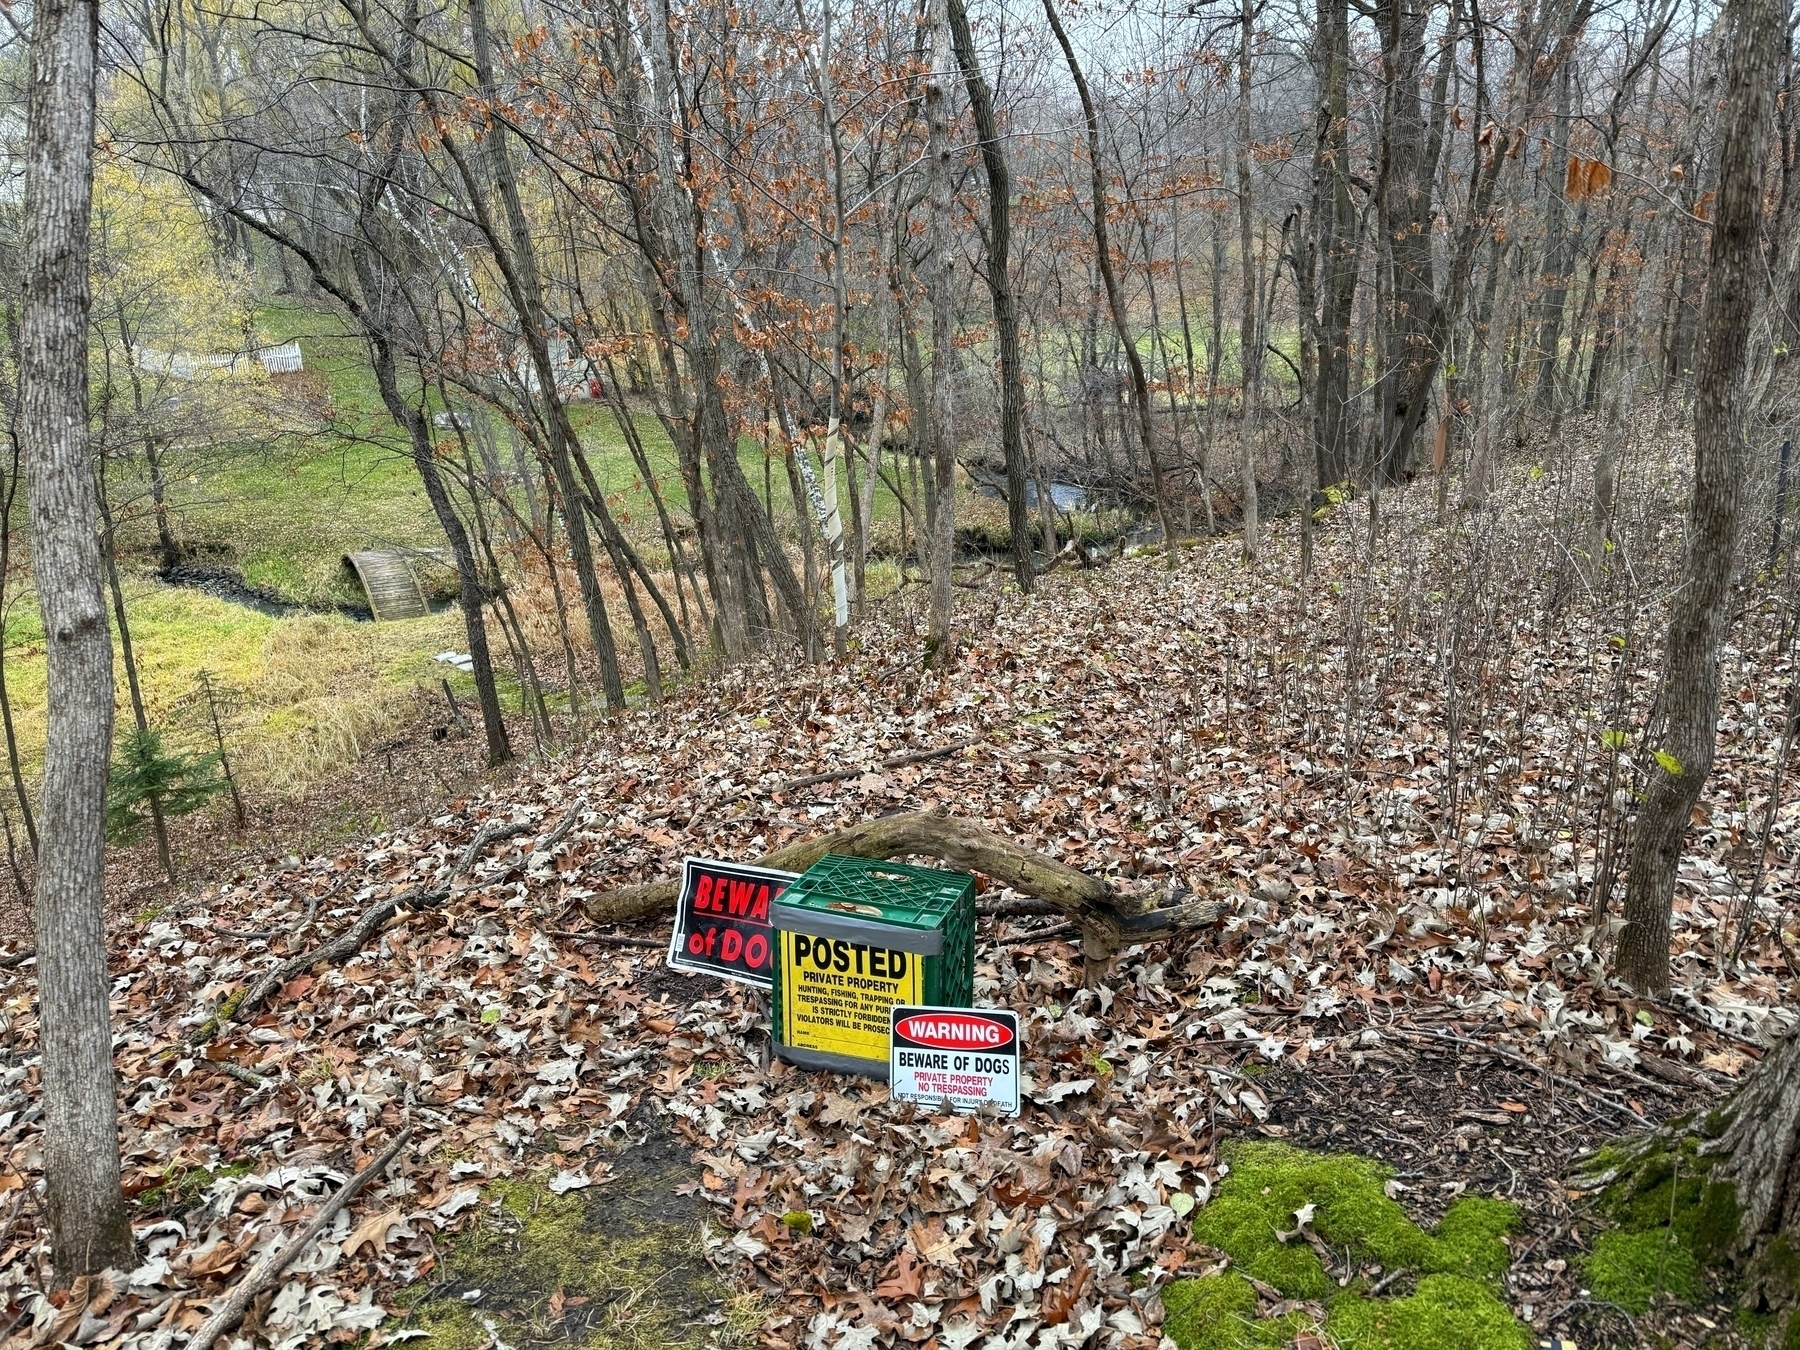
<point x="309" y="692"/>
<point x="287" y="512"/>
<point x="301" y="695"/>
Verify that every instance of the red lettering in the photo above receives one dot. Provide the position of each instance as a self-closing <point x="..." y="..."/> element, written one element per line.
<point x="732" y="945"/>
<point x="761" y="910"/>
<point x="756" y="951"/>
<point x="703" y="894"/>
<point x="741" y="893"/>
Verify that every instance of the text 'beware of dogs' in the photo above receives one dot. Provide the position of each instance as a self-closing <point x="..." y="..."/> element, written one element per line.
<point x="722" y="920"/>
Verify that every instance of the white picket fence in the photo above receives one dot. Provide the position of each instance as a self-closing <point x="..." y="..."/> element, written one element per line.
<point x="281" y="360"/>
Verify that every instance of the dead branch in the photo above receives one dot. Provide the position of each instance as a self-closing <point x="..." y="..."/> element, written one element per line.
<point x="488" y="834"/>
<point x="1513" y="1057"/>
<point x="1108" y="920"/>
<point x="891" y="762"/>
<point x="269" y="1269"/>
<point x="617" y="939"/>
<point x="352" y="939"/>
<point x="548" y="843"/>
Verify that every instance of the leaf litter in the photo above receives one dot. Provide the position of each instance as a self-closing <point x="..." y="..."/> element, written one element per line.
<point x="1404" y="780"/>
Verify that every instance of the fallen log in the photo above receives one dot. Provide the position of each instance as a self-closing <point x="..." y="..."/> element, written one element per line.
<point x="1108" y="919"/>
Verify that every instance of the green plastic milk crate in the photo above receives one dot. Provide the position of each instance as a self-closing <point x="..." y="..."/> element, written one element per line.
<point x="854" y="937"/>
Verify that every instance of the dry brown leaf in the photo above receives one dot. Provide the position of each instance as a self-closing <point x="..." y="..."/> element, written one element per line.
<point x="372" y="1231"/>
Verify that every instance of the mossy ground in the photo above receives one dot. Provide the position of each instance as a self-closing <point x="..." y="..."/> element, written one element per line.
<point x="1667" y="1221"/>
<point x="1457" y="1264"/>
<point x="615" y="1267"/>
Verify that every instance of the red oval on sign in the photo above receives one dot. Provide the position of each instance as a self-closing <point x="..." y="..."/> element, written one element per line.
<point x="953" y="1031"/>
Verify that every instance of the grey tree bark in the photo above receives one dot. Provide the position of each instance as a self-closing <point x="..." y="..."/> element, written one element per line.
<point x="1250" y="339"/>
<point x="1688" y="697"/>
<point x="940" y="418"/>
<point x="89" y="1230"/>
<point x="528" y="301"/>
<point x="1335" y="221"/>
<point x="1000" y="291"/>
<point x="1115" y="301"/>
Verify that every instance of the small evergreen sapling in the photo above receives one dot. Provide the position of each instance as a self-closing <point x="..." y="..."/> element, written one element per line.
<point x="144" y="771"/>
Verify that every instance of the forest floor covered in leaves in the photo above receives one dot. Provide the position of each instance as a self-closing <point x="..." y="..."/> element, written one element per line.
<point x="1407" y="778"/>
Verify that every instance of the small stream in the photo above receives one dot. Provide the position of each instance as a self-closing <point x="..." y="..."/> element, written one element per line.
<point x="228" y="584"/>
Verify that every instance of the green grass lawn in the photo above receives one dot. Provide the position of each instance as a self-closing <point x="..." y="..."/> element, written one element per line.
<point x="311" y="691"/>
<point x="286" y="512"/>
<point x="301" y="695"/>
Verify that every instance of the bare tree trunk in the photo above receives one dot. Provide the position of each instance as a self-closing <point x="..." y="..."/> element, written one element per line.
<point x="1249" y="333"/>
<point x="1115" y="301"/>
<point x="522" y="276"/>
<point x="941" y="416"/>
<point x="1688" y="697"/>
<point x="999" y="283"/>
<point x="158" y="825"/>
<point x="89" y="1229"/>
<point x="471" y="599"/>
<point x="1203" y="468"/>
<point x="1335" y="220"/>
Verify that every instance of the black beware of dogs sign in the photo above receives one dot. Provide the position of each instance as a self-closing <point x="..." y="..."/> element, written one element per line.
<point x="960" y="1058"/>
<point x="722" y="920"/>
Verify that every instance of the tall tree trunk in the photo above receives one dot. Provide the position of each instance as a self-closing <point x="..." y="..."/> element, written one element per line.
<point x="1761" y="1163"/>
<point x="1559" y="251"/>
<point x="999" y="283"/>
<point x="941" y="415"/>
<point x="159" y="827"/>
<point x="89" y="1229"/>
<point x="1335" y="221"/>
<point x="1250" y="341"/>
<point x="1203" y="468"/>
<point x="1403" y="203"/>
<point x="1689" y="692"/>
<point x="521" y="273"/>
<point x="832" y="451"/>
<point x="1115" y="300"/>
<point x="470" y="596"/>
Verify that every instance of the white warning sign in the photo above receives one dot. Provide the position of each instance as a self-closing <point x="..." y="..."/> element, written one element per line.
<point x="963" y="1058"/>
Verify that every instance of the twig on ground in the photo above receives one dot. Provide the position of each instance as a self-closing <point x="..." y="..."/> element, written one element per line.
<point x="1699" y="1016"/>
<point x="549" y="842"/>
<point x="1058" y="933"/>
<point x="487" y="834"/>
<point x="1500" y="1052"/>
<point x="617" y="939"/>
<point x="239" y="1072"/>
<point x="353" y="938"/>
<point x="18" y="958"/>
<point x="344" y="944"/>
<point x="269" y="1269"/>
<point x="1380" y="1286"/>
<point x="12" y="1218"/>
<point x="891" y="762"/>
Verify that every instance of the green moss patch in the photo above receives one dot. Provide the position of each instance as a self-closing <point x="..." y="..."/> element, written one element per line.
<point x="619" y="1265"/>
<point x="1669" y="1220"/>
<point x="1457" y="1264"/>
<point x="1446" y="1311"/>
<point x="1269" y="1183"/>
<point x="1631" y="1269"/>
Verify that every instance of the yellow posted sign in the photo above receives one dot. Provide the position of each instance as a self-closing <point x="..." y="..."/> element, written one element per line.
<point x="837" y="995"/>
